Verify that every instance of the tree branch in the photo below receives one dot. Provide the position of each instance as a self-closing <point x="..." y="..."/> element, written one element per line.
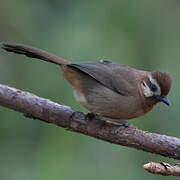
<point x="164" y="169"/>
<point x="63" y="116"/>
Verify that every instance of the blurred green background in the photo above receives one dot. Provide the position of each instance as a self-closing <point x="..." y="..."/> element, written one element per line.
<point x="141" y="34"/>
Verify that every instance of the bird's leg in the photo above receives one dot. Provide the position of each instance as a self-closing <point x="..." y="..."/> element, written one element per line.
<point x="121" y="124"/>
<point x="124" y="123"/>
<point x="116" y="122"/>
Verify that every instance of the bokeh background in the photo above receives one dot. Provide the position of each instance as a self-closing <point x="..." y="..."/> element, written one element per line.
<point x="142" y="34"/>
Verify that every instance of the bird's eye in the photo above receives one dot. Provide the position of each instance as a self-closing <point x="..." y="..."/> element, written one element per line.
<point x="153" y="87"/>
<point x="144" y="84"/>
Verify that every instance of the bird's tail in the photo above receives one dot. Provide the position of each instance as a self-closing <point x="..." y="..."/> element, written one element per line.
<point x="32" y="52"/>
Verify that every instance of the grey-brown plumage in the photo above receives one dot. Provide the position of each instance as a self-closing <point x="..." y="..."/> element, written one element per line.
<point x="107" y="88"/>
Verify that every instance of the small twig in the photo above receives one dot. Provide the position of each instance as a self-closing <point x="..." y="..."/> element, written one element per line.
<point x="163" y="168"/>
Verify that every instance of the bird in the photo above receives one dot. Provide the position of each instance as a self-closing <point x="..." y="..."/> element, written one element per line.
<point x="106" y="88"/>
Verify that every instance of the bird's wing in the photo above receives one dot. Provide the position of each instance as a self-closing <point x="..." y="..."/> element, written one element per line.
<point x="112" y="75"/>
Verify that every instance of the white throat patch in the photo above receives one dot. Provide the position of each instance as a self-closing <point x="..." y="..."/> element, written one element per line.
<point x="153" y="81"/>
<point x="146" y="90"/>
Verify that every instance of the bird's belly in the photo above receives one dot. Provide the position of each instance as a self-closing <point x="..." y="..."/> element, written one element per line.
<point x="107" y="103"/>
<point x="80" y="97"/>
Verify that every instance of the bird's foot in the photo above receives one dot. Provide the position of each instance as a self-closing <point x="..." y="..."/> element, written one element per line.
<point x="121" y="125"/>
<point x="90" y="116"/>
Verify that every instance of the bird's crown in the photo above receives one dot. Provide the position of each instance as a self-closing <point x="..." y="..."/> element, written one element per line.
<point x="164" y="81"/>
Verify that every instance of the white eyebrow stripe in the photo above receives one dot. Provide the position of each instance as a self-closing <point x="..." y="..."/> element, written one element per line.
<point x="153" y="81"/>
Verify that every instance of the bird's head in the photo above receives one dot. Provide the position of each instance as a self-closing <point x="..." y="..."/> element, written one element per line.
<point x="156" y="86"/>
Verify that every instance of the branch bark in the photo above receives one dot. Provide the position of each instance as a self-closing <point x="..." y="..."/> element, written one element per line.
<point x="45" y="110"/>
<point x="164" y="169"/>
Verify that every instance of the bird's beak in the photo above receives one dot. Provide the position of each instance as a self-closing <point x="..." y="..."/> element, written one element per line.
<point x="163" y="99"/>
